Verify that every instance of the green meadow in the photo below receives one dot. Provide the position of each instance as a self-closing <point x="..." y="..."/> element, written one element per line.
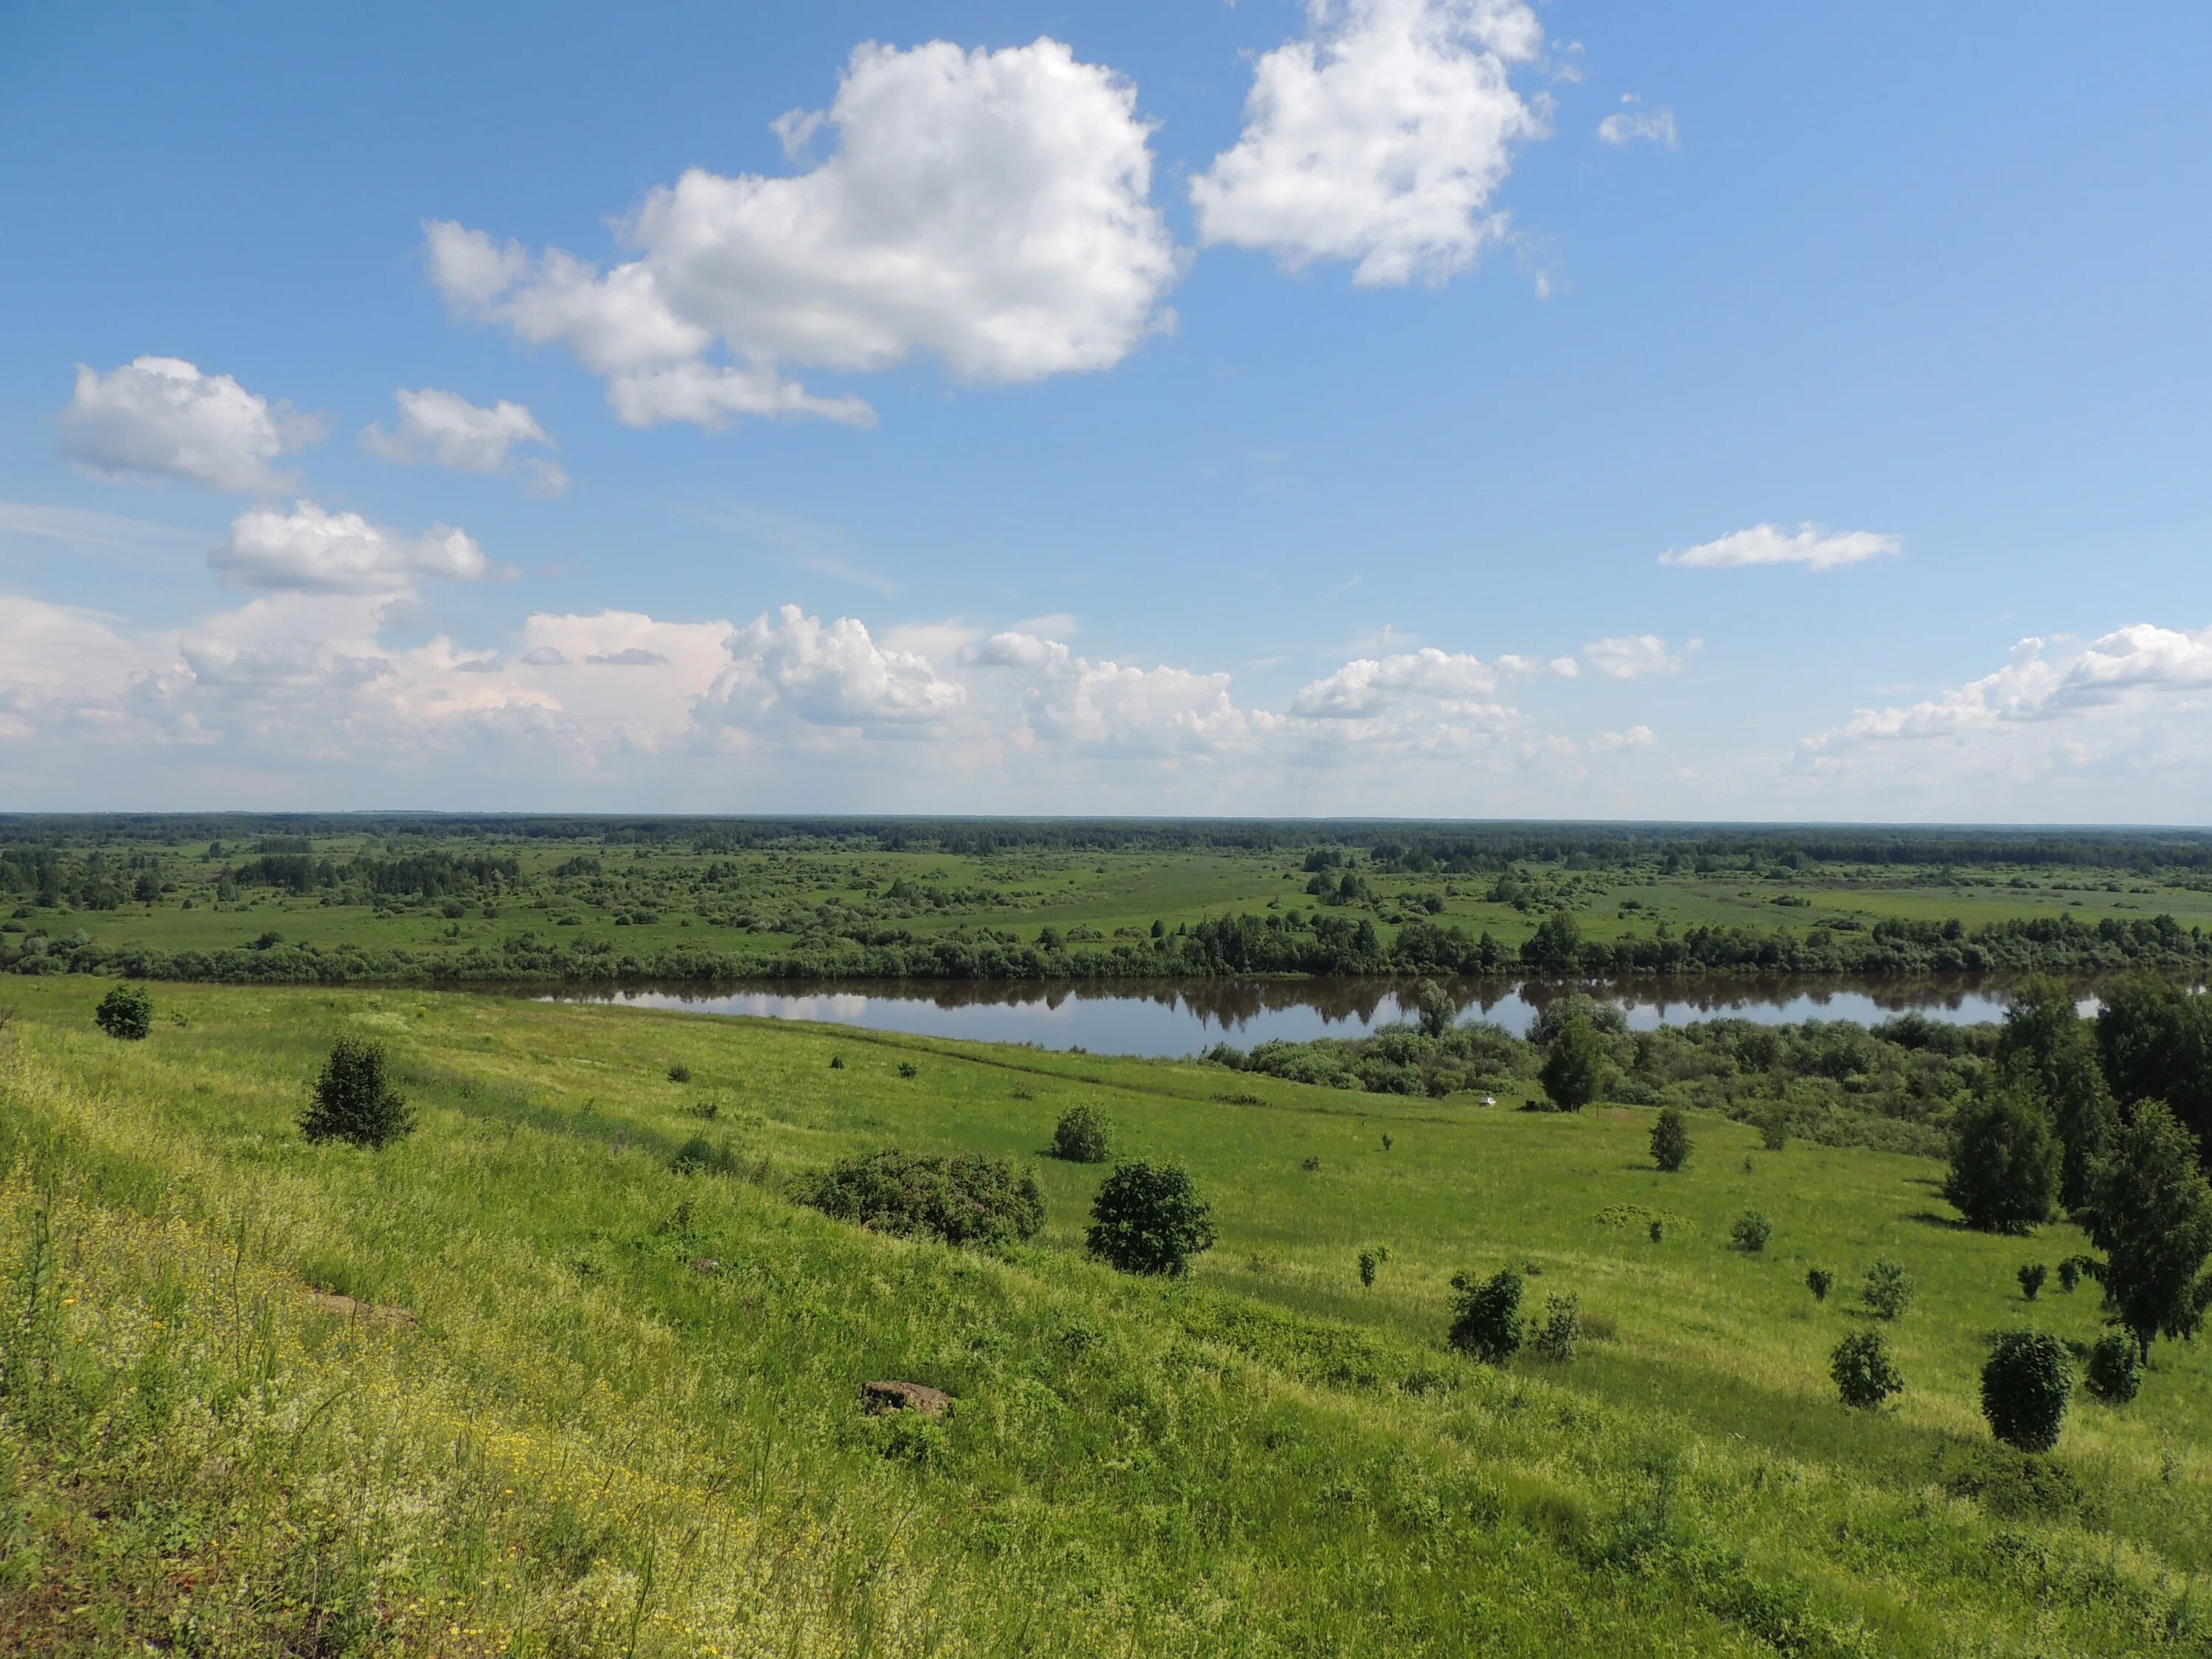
<point x="515" y="1385"/>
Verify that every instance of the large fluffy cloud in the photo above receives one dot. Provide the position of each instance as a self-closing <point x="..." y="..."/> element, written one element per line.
<point x="447" y="429"/>
<point x="1113" y="707"/>
<point x="161" y="417"/>
<point x="988" y="209"/>
<point x="835" y="675"/>
<point x="1380" y="139"/>
<point x="312" y="550"/>
<point x="1770" y="544"/>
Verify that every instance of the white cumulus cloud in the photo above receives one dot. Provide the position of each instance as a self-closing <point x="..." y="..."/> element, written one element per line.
<point x="311" y="551"/>
<point x="161" y="417"/>
<point x="445" y="430"/>
<point x="1633" y="656"/>
<point x="1632" y="123"/>
<point x="1770" y="544"/>
<point x="832" y="674"/>
<point x="987" y="209"/>
<point x="1381" y="138"/>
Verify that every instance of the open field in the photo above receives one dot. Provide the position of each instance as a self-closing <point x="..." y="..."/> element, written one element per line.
<point x="574" y="1441"/>
<point x="336" y="899"/>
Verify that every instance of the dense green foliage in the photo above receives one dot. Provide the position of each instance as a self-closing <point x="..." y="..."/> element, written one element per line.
<point x="1889" y="1290"/>
<point x="354" y="1099"/>
<point x="1082" y="1135"/>
<point x="2150" y="1211"/>
<point x="1751" y="1231"/>
<point x="2005" y="1164"/>
<point x="126" y="1013"/>
<point x="1819" y="1281"/>
<point x="2114" y="1371"/>
<point x="1573" y="1071"/>
<point x="1486" y="1321"/>
<point x="1670" y="1140"/>
<point x="1149" y="1218"/>
<point x="2031" y="1275"/>
<point x="967" y="1199"/>
<point x="1864" y="1370"/>
<point x="2026" y="1388"/>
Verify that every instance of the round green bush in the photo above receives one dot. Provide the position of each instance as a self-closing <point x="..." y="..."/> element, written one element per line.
<point x="2030" y="1280"/>
<point x="126" y="1011"/>
<point x="1819" y="1281"/>
<point x="1752" y="1230"/>
<point x="1149" y="1218"/>
<point x="2025" y="1387"/>
<point x="1670" y="1140"/>
<point x="1864" y="1372"/>
<point x="353" y="1100"/>
<point x="1889" y="1289"/>
<point x="2114" y="1373"/>
<point x="1082" y="1135"/>
<point x="2069" y="1273"/>
<point x="1487" y="1316"/>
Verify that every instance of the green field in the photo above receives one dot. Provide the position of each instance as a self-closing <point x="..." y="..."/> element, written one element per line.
<point x="572" y="1440"/>
<point x="336" y="898"/>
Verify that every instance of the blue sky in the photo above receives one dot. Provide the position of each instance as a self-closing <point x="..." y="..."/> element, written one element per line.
<point x="1417" y="407"/>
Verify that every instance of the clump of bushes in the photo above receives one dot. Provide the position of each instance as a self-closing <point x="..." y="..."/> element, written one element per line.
<point x="1487" y="1316"/>
<point x="1149" y="1218"/>
<point x="1752" y="1230"/>
<point x="1670" y="1140"/>
<point x="1561" y="1332"/>
<point x="1819" y="1281"/>
<point x="965" y="1199"/>
<point x="1865" y="1373"/>
<point x="679" y="1073"/>
<point x="1889" y="1289"/>
<point x="2114" y="1373"/>
<point x="699" y="1156"/>
<point x="2032" y="1276"/>
<point x="353" y="1100"/>
<point x="126" y="1011"/>
<point x="2026" y="1384"/>
<point x="1082" y="1135"/>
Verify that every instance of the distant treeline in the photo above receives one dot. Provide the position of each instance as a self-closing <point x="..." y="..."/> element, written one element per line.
<point x="1240" y="945"/>
<point x="1397" y="845"/>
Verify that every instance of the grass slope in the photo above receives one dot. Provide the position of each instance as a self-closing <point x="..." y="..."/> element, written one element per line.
<point x="574" y="1442"/>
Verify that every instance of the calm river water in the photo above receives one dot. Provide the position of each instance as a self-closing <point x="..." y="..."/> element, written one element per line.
<point x="1189" y="1018"/>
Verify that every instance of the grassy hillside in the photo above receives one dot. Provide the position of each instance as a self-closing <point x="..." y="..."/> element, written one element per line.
<point x="539" y="1428"/>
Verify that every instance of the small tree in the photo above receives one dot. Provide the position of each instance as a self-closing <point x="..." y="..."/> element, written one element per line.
<point x="2114" y="1373"/>
<point x="1864" y="1372"/>
<point x="1561" y="1332"/>
<point x="2025" y="1386"/>
<point x="1149" y="1218"/>
<point x="2151" y="1213"/>
<point x="1819" y="1281"/>
<point x="1487" y="1316"/>
<point x="353" y="1100"/>
<point x="1369" y="1261"/>
<point x="1435" y="1008"/>
<point x="2069" y="1273"/>
<point x="1889" y="1289"/>
<point x="1670" y="1140"/>
<point x="2005" y="1164"/>
<point x="1574" y="1066"/>
<point x="1082" y="1135"/>
<point x="2032" y="1276"/>
<point x="125" y="1011"/>
<point x="1752" y="1230"/>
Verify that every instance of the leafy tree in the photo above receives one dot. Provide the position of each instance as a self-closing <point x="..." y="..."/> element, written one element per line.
<point x="1819" y="1281"/>
<point x="1487" y="1316"/>
<point x="1437" y="1010"/>
<point x="2030" y="1280"/>
<point x="125" y="1011"/>
<point x="1865" y="1374"/>
<point x="1889" y="1289"/>
<point x="2025" y="1387"/>
<point x="1606" y="1019"/>
<point x="2048" y="1050"/>
<point x="1751" y="1231"/>
<point x="1149" y="1218"/>
<point x="2155" y="1039"/>
<point x="1574" y="1069"/>
<point x="2114" y="1373"/>
<point x="2150" y="1212"/>
<point x="1561" y="1332"/>
<point x="2004" y="1164"/>
<point x="1556" y="947"/>
<point x="1370" y="1261"/>
<point x="353" y="1100"/>
<point x="1082" y="1135"/>
<point x="1670" y="1140"/>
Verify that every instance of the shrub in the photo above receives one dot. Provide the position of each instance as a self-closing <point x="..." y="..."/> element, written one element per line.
<point x="1670" y="1140"/>
<point x="1752" y="1230"/>
<point x="1889" y="1289"/>
<point x="1082" y="1135"/>
<point x="698" y="1155"/>
<point x="1487" y="1316"/>
<point x="679" y="1073"/>
<point x="1310" y="1165"/>
<point x="2114" y="1372"/>
<point x="836" y="1062"/>
<point x="2030" y="1280"/>
<point x="908" y="1068"/>
<point x="965" y="1199"/>
<point x="1658" y="1230"/>
<point x="2069" y="1273"/>
<point x="1819" y="1281"/>
<point x="1774" y="1131"/>
<point x="126" y="1011"/>
<point x="1562" y="1329"/>
<point x="1149" y="1218"/>
<point x="1369" y="1261"/>
<point x="1864" y="1372"/>
<point x="1574" y="1066"/>
<point x="2025" y="1386"/>
<point x="353" y="1100"/>
<point x="2005" y="1162"/>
